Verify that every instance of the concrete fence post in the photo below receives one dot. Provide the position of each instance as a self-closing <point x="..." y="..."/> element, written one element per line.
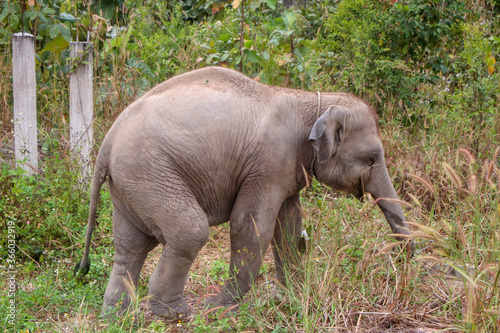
<point x="24" y="93"/>
<point x="81" y="107"/>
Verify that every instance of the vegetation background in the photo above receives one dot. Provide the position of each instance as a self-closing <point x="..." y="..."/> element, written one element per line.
<point x="428" y="67"/>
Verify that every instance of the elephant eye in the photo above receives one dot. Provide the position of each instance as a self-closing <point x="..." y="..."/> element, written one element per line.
<point x="372" y="159"/>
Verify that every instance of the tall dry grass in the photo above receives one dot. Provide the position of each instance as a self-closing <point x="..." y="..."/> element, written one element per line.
<point x="353" y="277"/>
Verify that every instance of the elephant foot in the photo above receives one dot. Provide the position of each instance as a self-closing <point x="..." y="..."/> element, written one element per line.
<point x="172" y="310"/>
<point x="115" y="306"/>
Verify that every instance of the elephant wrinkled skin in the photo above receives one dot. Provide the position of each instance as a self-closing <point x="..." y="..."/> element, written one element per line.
<point x="212" y="146"/>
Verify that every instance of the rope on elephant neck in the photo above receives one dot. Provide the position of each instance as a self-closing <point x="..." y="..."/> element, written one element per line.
<point x="319" y="103"/>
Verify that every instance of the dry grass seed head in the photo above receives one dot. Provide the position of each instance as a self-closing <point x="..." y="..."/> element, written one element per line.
<point x="468" y="155"/>
<point x="452" y="173"/>
<point x="423" y="182"/>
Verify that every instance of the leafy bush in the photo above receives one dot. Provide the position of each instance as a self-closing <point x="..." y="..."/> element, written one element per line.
<point x="166" y="41"/>
<point x="425" y="32"/>
<point x="357" y="57"/>
<point x="49" y="210"/>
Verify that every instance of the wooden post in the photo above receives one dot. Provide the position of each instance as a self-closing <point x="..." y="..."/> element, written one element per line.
<point x="24" y="93"/>
<point x="81" y="108"/>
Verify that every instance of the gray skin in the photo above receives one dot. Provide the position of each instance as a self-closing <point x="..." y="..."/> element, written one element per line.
<point x="212" y="146"/>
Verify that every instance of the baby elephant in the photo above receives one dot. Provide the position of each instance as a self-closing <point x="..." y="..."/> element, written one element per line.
<point x="212" y="146"/>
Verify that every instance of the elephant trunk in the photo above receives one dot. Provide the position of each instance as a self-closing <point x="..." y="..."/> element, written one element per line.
<point x="381" y="188"/>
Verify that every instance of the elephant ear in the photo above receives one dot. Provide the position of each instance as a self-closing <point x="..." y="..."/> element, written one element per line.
<point x="327" y="132"/>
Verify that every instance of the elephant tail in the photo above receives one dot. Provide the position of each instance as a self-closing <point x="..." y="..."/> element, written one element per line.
<point x="100" y="174"/>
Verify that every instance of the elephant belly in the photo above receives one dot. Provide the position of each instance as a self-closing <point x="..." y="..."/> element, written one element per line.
<point x="156" y="202"/>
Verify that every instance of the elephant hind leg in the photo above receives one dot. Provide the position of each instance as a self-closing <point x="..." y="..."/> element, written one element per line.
<point x="185" y="233"/>
<point x="131" y="249"/>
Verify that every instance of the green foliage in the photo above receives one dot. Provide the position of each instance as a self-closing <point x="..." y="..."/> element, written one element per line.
<point x="50" y="286"/>
<point x="219" y="270"/>
<point x="476" y="88"/>
<point x="40" y="18"/>
<point x="47" y="209"/>
<point x="223" y="45"/>
<point x="163" y="43"/>
<point x="47" y="20"/>
<point x="245" y="321"/>
<point x="357" y="58"/>
<point x="417" y="27"/>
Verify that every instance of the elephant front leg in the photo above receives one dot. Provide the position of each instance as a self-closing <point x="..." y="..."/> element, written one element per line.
<point x="287" y="235"/>
<point x="252" y="224"/>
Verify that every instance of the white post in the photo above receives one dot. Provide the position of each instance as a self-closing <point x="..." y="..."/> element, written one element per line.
<point x="24" y="93"/>
<point x="81" y="107"/>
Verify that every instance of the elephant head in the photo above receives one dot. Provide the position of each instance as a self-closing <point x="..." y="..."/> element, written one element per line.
<point x="350" y="158"/>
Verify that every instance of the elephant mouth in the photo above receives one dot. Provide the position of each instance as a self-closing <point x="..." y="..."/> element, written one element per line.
<point x="359" y="192"/>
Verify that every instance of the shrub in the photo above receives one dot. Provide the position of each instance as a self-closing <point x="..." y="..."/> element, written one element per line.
<point x="49" y="210"/>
